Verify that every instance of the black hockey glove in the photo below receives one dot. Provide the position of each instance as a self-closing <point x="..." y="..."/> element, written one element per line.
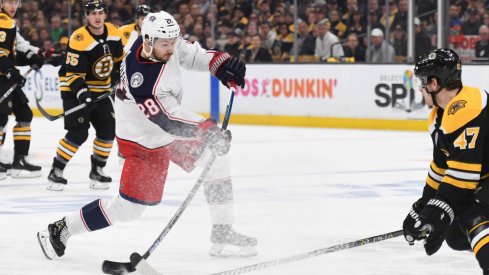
<point x="228" y="69"/>
<point x="219" y="141"/>
<point x="14" y="75"/>
<point x="84" y="96"/>
<point x="35" y="59"/>
<point x="410" y="221"/>
<point x="434" y="221"/>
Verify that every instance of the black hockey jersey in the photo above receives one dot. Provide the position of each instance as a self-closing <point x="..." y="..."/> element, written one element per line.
<point x="91" y="59"/>
<point x="11" y="41"/>
<point x="461" y="146"/>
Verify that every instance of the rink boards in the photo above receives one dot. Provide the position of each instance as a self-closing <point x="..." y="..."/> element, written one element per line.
<point x="317" y="95"/>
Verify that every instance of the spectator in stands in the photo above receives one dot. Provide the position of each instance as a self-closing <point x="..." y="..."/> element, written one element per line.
<point x="337" y="27"/>
<point x="223" y="29"/>
<point x="267" y="35"/>
<point x="482" y="46"/>
<point x="401" y="17"/>
<point x="485" y="18"/>
<point x="400" y="44"/>
<point x="373" y="20"/>
<point x="455" y="35"/>
<point x="252" y="29"/>
<point x="306" y="43"/>
<point x="381" y="51"/>
<point x="352" y="7"/>
<point x="283" y="43"/>
<point x="233" y="45"/>
<point x="56" y="29"/>
<point x="264" y="13"/>
<point x="352" y="48"/>
<point x="471" y="26"/>
<point x="257" y="53"/>
<point x="423" y="40"/>
<point x="118" y="7"/>
<point x="358" y="26"/>
<point x="374" y="9"/>
<point x="327" y="42"/>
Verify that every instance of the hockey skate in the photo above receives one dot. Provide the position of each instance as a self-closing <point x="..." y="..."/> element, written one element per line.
<point x="56" y="180"/>
<point x="99" y="180"/>
<point x="7" y="167"/>
<point x="228" y="243"/>
<point x="53" y="239"/>
<point x="21" y="168"/>
<point x="3" y="173"/>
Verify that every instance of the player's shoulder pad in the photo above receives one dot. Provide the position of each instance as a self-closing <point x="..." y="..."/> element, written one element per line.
<point x="81" y="40"/>
<point x="113" y="32"/>
<point x="6" y="22"/>
<point x="463" y="108"/>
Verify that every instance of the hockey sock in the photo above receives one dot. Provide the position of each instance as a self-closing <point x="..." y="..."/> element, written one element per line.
<point x="94" y="217"/>
<point x="66" y="150"/>
<point x="219" y="196"/>
<point x="22" y="138"/>
<point x="102" y="213"/>
<point x="101" y="149"/>
<point x="479" y="239"/>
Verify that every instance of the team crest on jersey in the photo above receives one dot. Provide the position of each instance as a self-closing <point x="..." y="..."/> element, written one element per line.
<point x="79" y="37"/>
<point x="127" y="34"/>
<point x="455" y="106"/>
<point x="3" y="36"/>
<point x="137" y="80"/>
<point x="152" y="18"/>
<point x="102" y="68"/>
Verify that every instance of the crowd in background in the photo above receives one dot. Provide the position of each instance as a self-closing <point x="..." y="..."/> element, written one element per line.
<point x="263" y="30"/>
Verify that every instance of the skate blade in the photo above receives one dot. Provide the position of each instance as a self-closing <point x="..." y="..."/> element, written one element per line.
<point x="232" y="251"/>
<point x="43" y="239"/>
<point x="16" y="173"/>
<point x="97" y="185"/>
<point x="54" y="186"/>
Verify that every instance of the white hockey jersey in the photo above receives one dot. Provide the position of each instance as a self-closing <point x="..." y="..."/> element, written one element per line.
<point x="148" y="107"/>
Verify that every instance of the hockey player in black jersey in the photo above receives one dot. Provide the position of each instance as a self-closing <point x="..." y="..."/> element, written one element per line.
<point x="10" y="42"/>
<point x="454" y="206"/>
<point x="92" y="67"/>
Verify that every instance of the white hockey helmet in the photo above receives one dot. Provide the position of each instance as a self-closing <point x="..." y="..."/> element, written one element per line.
<point x="159" y="25"/>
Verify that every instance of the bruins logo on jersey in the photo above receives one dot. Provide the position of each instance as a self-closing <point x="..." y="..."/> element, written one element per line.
<point x="102" y="68"/>
<point x="127" y="34"/>
<point x="3" y="36"/>
<point x="455" y="106"/>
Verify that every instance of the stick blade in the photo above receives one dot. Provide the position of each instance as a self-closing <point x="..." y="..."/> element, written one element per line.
<point x="142" y="266"/>
<point x="117" y="268"/>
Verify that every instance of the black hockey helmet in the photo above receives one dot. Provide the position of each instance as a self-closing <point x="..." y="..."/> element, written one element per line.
<point x="443" y="64"/>
<point x="95" y="5"/>
<point x="142" y="10"/>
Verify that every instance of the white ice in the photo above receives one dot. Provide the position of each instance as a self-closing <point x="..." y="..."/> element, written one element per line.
<point x="295" y="189"/>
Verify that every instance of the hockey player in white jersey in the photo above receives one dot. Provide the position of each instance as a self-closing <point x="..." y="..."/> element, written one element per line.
<point x="152" y="129"/>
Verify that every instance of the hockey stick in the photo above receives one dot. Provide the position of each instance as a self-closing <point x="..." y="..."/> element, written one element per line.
<point x="315" y="253"/>
<point x="138" y="262"/>
<point x="9" y="91"/>
<point x="70" y="111"/>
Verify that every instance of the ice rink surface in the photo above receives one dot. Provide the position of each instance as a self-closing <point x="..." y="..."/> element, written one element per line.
<point x="295" y="189"/>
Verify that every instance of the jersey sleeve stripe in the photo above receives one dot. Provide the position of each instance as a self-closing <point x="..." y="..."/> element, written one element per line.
<point x="463" y="175"/>
<point x="437" y="169"/>
<point x="432" y="183"/>
<point x="464" y="166"/>
<point x="460" y="183"/>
